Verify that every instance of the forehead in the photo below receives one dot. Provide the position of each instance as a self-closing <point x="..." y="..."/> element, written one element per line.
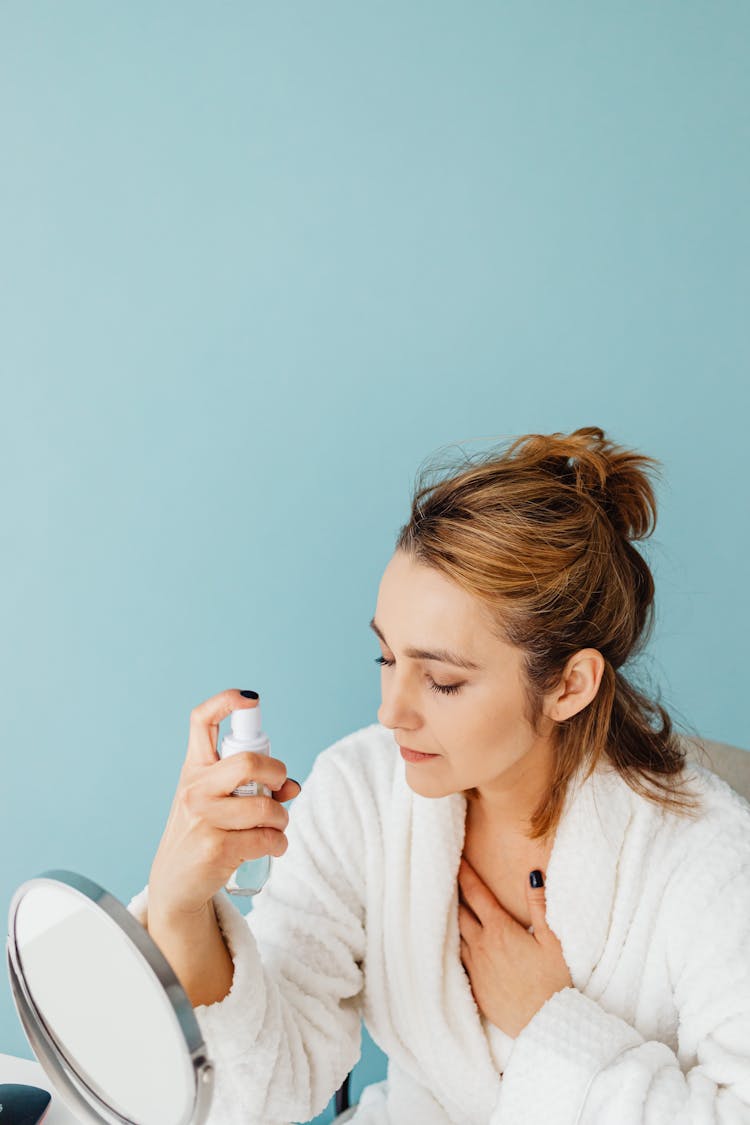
<point x="414" y="596"/>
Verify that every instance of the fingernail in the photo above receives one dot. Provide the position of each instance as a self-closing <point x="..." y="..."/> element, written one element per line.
<point x="536" y="879"/>
<point x="294" y="780"/>
<point x="249" y="694"/>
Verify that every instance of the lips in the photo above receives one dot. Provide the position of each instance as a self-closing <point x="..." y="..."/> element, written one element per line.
<point x="415" y="755"/>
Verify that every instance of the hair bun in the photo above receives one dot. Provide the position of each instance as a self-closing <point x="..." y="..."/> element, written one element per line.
<point x="614" y="478"/>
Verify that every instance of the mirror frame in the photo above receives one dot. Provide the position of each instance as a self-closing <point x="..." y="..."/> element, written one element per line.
<point x="45" y="1045"/>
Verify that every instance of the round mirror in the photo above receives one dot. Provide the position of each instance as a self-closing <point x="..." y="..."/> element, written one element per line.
<point x="101" y="1007"/>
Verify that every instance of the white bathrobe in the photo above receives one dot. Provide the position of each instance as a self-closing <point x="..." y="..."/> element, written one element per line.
<point x="359" y="919"/>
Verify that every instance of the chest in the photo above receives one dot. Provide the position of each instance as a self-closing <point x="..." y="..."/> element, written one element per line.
<point x="504" y="865"/>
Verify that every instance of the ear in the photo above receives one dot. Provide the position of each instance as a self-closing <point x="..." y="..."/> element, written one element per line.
<point x="578" y="685"/>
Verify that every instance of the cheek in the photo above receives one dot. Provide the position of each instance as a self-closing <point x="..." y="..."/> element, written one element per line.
<point x="487" y="727"/>
<point x="495" y="712"/>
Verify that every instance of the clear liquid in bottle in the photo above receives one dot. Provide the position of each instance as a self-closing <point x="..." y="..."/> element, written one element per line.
<point x="246" y="734"/>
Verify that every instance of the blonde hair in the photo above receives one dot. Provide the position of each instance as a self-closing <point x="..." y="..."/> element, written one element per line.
<point x="542" y="533"/>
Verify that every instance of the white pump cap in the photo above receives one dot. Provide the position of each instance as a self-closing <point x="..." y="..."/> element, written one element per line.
<point x="246" y="724"/>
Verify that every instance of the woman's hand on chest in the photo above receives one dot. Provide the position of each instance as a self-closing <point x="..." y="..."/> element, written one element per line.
<point x="512" y="972"/>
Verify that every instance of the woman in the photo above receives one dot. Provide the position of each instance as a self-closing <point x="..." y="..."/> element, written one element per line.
<point x="545" y="921"/>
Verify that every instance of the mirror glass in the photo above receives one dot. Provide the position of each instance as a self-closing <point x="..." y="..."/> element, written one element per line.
<point x="103" y="1005"/>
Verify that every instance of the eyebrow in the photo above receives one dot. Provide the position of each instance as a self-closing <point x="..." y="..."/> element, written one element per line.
<point x="441" y="654"/>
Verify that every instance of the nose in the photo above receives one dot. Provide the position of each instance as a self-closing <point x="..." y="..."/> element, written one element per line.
<point x="396" y="710"/>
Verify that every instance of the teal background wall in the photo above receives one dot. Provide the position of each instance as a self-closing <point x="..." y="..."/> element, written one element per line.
<point x="258" y="262"/>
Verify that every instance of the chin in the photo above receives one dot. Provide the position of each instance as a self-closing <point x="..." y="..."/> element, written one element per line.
<point x="427" y="790"/>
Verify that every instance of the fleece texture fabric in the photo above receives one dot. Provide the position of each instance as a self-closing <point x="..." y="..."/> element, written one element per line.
<point x="359" y="922"/>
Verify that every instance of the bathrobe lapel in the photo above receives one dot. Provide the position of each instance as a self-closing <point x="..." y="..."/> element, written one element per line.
<point x="437" y="1018"/>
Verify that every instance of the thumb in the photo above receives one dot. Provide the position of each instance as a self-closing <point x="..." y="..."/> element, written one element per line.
<point x="535" y="896"/>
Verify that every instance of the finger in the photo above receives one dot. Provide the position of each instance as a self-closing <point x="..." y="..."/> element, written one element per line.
<point x="468" y="925"/>
<point x="251" y="843"/>
<point x="204" y="723"/>
<point x="463" y="902"/>
<point x="288" y="791"/>
<point x="476" y="892"/>
<point x="536" y="898"/>
<point x="246" y="813"/>
<point x="227" y="774"/>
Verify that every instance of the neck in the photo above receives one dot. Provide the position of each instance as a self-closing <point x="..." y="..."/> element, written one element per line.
<point x="504" y="805"/>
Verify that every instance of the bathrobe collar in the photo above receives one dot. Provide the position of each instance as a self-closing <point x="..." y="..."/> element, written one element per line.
<point x="430" y="978"/>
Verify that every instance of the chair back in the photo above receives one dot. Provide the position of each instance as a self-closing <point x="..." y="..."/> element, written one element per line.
<point x="731" y="763"/>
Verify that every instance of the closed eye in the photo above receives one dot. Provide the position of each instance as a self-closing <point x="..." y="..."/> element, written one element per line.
<point x="444" y="689"/>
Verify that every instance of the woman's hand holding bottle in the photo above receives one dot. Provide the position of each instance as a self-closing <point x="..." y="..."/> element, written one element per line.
<point x="210" y="832"/>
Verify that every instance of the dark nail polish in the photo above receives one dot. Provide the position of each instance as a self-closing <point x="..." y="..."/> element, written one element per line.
<point x="536" y="879"/>
<point x="249" y="694"/>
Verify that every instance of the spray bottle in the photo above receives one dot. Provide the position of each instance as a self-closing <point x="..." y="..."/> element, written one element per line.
<point x="246" y="734"/>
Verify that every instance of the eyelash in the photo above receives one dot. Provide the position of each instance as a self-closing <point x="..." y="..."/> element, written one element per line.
<point x="444" y="689"/>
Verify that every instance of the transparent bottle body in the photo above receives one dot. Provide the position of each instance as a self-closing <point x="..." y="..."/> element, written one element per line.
<point x="252" y="875"/>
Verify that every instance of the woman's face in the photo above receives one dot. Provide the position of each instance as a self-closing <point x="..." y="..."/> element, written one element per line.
<point x="478" y="730"/>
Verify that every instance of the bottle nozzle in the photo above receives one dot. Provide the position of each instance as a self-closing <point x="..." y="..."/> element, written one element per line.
<point x="246" y="723"/>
